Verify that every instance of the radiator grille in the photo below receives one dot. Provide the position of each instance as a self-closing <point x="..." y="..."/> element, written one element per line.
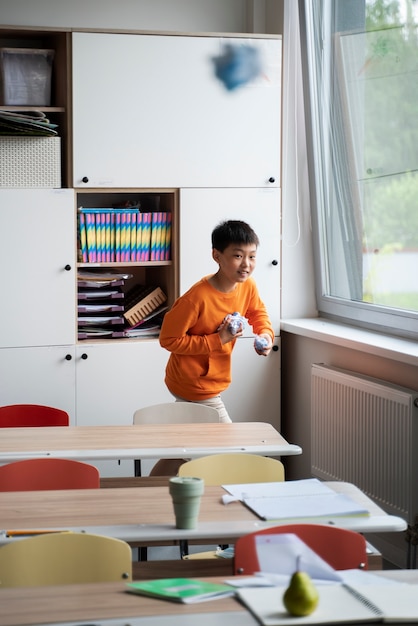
<point x="364" y="431"/>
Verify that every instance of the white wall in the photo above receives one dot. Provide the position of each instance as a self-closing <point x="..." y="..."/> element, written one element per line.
<point x="162" y="15"/>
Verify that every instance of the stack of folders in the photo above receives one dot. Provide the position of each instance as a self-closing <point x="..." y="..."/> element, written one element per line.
<point x="103" y="302"/>
<point x="26" y="123"/>
<point x="100" y="305"/>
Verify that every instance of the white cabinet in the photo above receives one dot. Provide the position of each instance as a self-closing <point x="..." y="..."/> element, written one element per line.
<point x="149" y="111"/>
<point x="203" y="209"/>
<point x="37" y="330"/>
<point x="115" y="379"/>
<point x="38" y="260"/>
<point x="43" y="375"/>
<point x="254" y="393"/>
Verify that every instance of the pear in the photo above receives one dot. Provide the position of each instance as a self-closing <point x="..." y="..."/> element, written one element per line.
<point x="301" y="597"/>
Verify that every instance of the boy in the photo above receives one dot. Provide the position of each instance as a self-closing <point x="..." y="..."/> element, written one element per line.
<point x="196" y="330"/>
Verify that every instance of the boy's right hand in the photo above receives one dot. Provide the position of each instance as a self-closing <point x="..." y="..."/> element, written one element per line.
<point x="225" y="334"/>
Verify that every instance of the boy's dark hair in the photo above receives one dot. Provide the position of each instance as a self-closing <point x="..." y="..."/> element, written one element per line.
<point x="233" y="231"/>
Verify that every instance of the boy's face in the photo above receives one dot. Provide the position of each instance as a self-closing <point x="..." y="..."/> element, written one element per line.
<point x="236" y="262"/>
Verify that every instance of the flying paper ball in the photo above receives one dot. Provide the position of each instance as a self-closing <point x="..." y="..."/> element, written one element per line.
<point x="237" y="65"/>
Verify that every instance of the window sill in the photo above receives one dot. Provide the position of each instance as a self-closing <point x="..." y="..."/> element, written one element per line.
<point x="379" y="344"/>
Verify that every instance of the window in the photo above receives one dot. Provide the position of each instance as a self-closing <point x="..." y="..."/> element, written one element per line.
<point x="360" y="68"/>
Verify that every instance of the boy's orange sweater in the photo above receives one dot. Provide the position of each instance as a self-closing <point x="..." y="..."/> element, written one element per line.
<point x="199" y="366"/>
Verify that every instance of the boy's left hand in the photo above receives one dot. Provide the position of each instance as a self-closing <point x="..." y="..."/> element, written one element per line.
<point x="263" y="351"/>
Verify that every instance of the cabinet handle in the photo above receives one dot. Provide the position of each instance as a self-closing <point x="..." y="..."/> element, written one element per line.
<point x="84" y="356"/>
<point x="274" y="262"/>
<point x="85" y="179"/>
<point x="272" y="179"/>
<point x="67" y="268"/>
<point x="68" y="357"/>
<point x="275" y="348"/>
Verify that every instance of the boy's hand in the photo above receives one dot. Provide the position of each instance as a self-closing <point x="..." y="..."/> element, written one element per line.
<point x="225" y="334"/>
<point x="264" y="346"/>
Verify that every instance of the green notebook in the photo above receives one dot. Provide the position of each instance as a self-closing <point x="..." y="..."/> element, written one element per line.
<point x="185" y="590"/>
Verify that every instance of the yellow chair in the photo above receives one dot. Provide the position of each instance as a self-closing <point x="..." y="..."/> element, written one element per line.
<point x="64" y="558"/>
<point x="172" y="413"/>
<point x="234" y="468"/>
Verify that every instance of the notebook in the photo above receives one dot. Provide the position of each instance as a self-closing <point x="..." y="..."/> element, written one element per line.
<point x="295" y="499"/>
<point x="338" y="603"/>
<point x="185" y="590"/>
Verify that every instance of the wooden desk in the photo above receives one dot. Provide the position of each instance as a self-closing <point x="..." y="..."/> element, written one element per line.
<point x="135" y="514"/>
<point x="142" y="441"/>
<point x="81" y="604"/>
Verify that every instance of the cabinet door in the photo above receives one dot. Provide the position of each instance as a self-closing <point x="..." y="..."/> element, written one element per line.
<point x="254" y="393"/>
<point x="38" y="376"/>
<point x="113" y="380"/>
<point x="37" y="256"/>
<point x="202" y="209"/>
<point x="149" y="111"/>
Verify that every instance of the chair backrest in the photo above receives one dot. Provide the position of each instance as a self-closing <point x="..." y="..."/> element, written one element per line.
<point x="171" y="413"/>
<point x="176" y="413"/>
<point x="218" y="469"/>
<point x="339" y="547"/>
<point x="26" y="415"/>
<point x="44" y="474"/>
<point x="64" y="558"/>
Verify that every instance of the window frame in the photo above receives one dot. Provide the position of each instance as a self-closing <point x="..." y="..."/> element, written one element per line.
<point x="366" y="315"/>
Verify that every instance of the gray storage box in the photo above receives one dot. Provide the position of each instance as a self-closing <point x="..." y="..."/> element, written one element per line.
<point x="30" y="162"/>
<point x="25" y="76"/>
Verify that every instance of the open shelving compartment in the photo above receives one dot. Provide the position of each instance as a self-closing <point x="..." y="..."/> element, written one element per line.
<point x="58" y="110"/>
<point x="153" y="283"/>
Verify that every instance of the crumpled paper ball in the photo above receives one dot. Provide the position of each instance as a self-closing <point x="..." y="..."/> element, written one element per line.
<point x="237" y="65"/>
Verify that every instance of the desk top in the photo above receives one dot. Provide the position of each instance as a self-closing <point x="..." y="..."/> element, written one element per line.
<point x="141" y="441"/>
<point x="108" y="601"/>
<point x="134" y="514"/>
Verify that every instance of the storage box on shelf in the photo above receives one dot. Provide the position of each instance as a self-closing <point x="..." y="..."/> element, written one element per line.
<point x="30" y="161"/>
<point x="25" y="76"/>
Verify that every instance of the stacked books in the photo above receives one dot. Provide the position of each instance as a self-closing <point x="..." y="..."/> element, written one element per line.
<point x="109" y="308"/>
<point x="123" y="235"/>
<point x="100" y="306"/>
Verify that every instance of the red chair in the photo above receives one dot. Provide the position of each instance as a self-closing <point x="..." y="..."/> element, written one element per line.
<point x="339" y="547"/>
<point x="44" y="474"/>
<point x="22" y="415"/>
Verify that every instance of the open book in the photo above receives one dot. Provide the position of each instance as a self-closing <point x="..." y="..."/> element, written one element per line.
<point x="295" y="499"/>
<point x="338" y="603"/>
<point x="186" y="590"/>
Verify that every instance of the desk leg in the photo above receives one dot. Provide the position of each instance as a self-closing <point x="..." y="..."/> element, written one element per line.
<point x="411" y="537"/>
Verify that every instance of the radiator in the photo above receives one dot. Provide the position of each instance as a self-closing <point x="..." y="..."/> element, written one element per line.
<point x="364" y="431"/>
